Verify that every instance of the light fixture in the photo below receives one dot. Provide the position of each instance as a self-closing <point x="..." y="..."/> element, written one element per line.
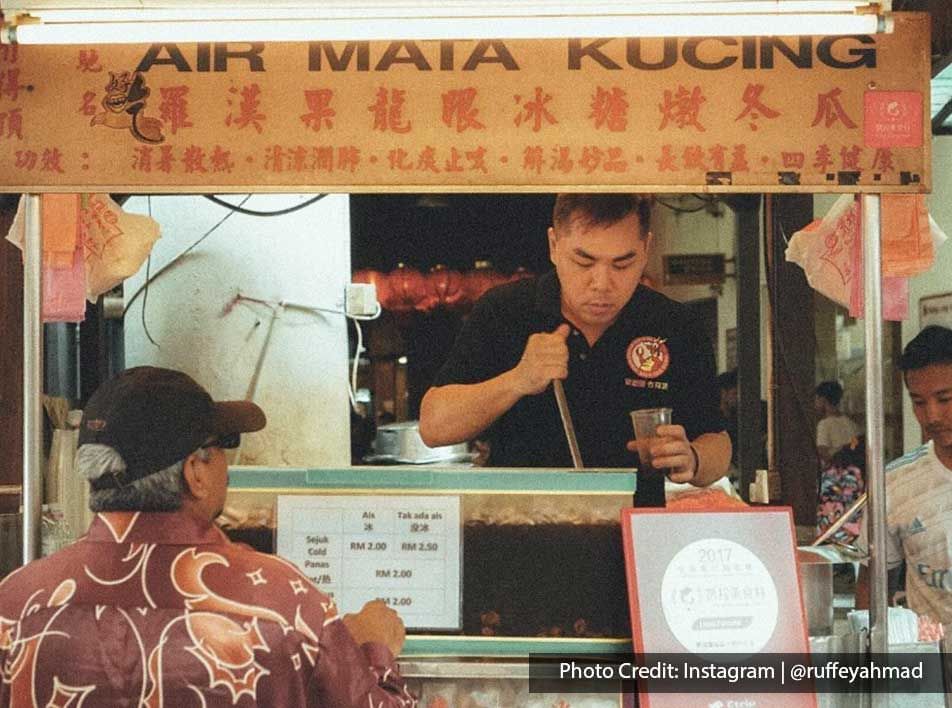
<point x="142" y="21"/>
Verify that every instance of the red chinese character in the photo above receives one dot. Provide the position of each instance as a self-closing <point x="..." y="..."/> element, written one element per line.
<point x="248" y="109"/>
<point x="194" y="159"/>
<point x="88" y="109"/>
<point x="829" y="110"/>
<point x="274" y="158"/>
<point x="52" y="160"/>
<point x="613" y="162"/>
<point x="388" y="111"/>
<point x="454" y="162"/>
<point x="427" y="160"/>
<point x="458" y="108"/>
<point x="174" y="107"/>
<point x="14" y="123"/>
<point x="739" y="159"/>
<point x="666" y="161"/>
<point x="8" y="53"/>
<point x="851" y="157"/>
<point x="166" y="159"/>
<point x="10" y="84"/>
<point x="477" y="160"/>
<point x="682" y="107"/>
<point x="561" y="160"/>
<point x="794" y="160"/>
<point x="398" y="159"/>
<point x="348" y="158"/>
<point x="693" y="158"/>
<point x="534" y="111"/>
<point x="883" y="160"/>
<point x="823" y="159"/>
<point x="322" y="158"/>
<point x="609" y="109"/>
<point x="591" y="159"/>
<point x="753" y="106"/>
<point x="142" y="158"/>
<point x="299" y="158"/>
<point x="533" y="159"/>
<point x="319" y="104"/>
<point x="89" y="61"/>
<point x="25" y="159"/>
<point x="718" y="156"/>
<point x="221" y="160"/>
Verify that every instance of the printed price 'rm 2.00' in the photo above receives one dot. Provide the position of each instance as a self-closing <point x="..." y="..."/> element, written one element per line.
<point x="397" y="601"/>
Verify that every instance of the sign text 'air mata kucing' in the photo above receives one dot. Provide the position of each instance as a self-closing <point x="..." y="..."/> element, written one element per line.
<point x="839" y="113"/>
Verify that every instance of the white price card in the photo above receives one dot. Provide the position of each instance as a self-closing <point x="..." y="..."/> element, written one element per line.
<point x="403" y="550"/>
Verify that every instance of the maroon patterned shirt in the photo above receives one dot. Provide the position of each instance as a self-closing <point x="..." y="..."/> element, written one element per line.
<point x="159" y="610"/>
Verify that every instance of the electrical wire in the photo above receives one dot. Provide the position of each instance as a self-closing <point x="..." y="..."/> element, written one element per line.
<point x="252" y="212"/>
<point x="289" y="305"/>
<point x="145" y="296"/>
<point x="175" y="260"/>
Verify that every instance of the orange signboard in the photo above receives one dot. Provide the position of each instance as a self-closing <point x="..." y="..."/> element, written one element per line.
<point x="698" y="114"/>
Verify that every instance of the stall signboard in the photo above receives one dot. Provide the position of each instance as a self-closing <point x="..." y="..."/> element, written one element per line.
<point x="719" y="114"/>
<point x="720" y="587"/>
<point x="402" y="550"/>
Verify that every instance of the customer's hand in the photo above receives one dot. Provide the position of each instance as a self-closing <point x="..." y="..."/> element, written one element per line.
<point x="377" y="623"/>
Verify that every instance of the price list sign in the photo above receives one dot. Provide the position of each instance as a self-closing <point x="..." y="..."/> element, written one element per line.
<point x="402" y="550"/>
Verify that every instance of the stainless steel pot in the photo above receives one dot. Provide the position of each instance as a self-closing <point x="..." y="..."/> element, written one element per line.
<point x="401" y="443"/>
<point x="816" y="586"/>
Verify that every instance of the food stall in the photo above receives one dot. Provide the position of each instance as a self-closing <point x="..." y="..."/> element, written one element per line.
<point x="746" y="114"/>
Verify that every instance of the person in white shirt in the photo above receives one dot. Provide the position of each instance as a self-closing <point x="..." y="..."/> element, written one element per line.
<point x="919" y="485"/>
<point x="835" y="429"/>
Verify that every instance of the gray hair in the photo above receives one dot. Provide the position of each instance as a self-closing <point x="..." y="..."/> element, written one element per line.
<point x="163" y="490"/>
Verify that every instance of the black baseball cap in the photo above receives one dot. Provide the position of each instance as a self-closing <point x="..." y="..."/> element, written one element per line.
<point x="156" y="417"/>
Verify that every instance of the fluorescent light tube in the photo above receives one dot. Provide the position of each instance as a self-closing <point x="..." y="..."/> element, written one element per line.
<point x="419" y="28"/>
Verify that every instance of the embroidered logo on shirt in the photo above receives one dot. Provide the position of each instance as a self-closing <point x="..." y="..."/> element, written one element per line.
<point x="648" y="357"/>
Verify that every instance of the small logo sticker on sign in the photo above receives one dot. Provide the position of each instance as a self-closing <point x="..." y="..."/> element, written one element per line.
<point x="892" y="119"/>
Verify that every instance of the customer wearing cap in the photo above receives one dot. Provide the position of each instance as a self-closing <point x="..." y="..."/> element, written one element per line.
<point x="155" y="606"/>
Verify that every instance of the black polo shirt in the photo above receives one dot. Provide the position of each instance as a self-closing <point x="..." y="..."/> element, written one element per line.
<point x="654" y="354"/>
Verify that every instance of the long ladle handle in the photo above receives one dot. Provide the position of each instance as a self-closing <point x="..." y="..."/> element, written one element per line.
<point x="566" y="416"/>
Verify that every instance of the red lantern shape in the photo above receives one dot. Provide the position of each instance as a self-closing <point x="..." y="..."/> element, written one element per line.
<point x="444" y="288"/>
<point x="520" y="274"/>
<point x="407" y="290"/>
<point x="482" y="278"/>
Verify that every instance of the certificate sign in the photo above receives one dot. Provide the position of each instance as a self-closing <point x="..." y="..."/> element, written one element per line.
<point x="714" y="583"/>
<point x="403" y="550"/>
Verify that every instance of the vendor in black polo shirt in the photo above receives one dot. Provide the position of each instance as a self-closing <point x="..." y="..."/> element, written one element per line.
<point x="618" y="345"/>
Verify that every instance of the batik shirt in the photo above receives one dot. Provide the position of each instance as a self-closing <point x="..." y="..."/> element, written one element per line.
<point x="163" y="610"/>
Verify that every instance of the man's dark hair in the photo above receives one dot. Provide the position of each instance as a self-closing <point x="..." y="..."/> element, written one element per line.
<point x="831" y="391"/>
<point x="727" y="380"/>
<point x="601" y="210"/>
<point x="933" y="345"/>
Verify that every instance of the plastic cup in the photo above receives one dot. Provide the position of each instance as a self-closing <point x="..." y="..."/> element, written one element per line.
<point x="645" y="422"/>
